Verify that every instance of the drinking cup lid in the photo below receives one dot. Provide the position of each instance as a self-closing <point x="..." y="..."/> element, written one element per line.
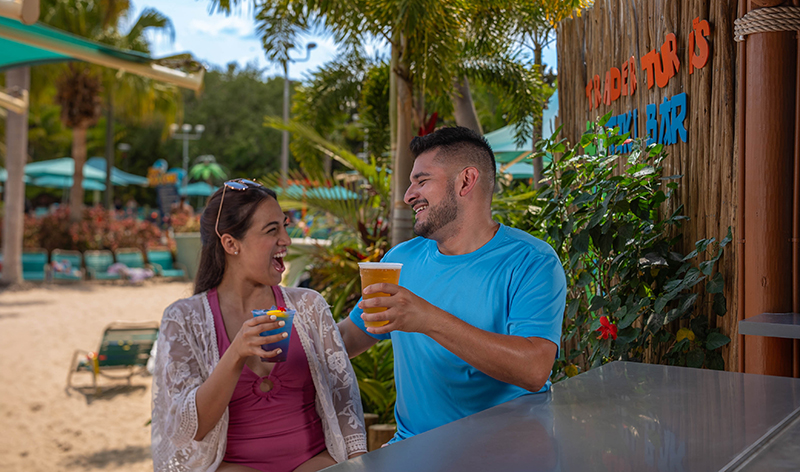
<point x="381" y="265"/>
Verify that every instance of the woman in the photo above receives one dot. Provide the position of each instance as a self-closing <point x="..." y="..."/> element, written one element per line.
<point x="217" y="405"/>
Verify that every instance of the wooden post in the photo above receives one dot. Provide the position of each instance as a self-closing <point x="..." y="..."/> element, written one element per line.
<point x="369" y="420"/>
<point x="16" y="157"/>
<point x="769" y="113"/>
<point x="379" y="434"/>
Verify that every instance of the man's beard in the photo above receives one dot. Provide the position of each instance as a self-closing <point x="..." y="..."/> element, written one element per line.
<point x="438" y="216"/>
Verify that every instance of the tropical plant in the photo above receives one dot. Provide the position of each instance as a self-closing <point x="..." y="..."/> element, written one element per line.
<point x="375" y="372"/>
<point x="630" y="287"/>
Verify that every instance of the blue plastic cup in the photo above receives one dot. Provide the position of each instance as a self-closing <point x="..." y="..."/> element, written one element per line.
<point x="283" y="344"/>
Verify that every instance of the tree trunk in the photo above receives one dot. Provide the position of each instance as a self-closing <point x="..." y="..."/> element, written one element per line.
<point x="538" y="166"/>
<point x="402" y="219"/>
<point x="79" y="156"/>
<point x="464" y="108"/>
<point x="109" y="149"/>
<point x="16" y="156"/>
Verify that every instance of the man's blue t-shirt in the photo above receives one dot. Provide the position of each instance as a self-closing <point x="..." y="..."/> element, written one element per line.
<point x="513" y="285"/>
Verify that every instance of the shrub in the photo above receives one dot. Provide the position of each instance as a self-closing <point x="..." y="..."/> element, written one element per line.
<point x="98" y="229"/>
<point x="627" y="281"/>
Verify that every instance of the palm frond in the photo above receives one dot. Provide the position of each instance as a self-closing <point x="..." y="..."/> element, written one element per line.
<point x="378" y="179"/>
<point x="150" y="18"/>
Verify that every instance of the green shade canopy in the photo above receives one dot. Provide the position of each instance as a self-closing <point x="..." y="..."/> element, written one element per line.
<point x="520" y="170"/>
<point x="99" y="163"/>
<point x="504" y="144"/>
<point x="298" y="192"/>
<point x="201" y="189"/>
<point x="54" y="181"/>
<point x="29" y="45"/>
<point x="18" y="54"/>
<point x="4" y="176"/>
<point x="65" y="167"/>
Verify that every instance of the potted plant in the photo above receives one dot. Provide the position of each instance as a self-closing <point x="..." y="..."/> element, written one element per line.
<point x="186" y="231"/>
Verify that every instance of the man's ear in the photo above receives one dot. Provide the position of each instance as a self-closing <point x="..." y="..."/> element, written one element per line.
<point x="467" y="181"/>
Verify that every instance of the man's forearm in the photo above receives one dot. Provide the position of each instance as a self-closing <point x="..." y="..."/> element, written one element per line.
<point x="512" y="359"/>
<point x="355" y="340"/>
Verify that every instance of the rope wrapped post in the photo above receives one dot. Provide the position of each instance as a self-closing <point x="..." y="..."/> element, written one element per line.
<point x="767" y="20"/>
<point x="768" y="111"/>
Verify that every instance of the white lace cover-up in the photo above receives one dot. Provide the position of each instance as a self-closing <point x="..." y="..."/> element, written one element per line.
<point x="187" y="353"/>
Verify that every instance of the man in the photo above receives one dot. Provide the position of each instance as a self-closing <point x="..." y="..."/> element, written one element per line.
<point x="476" y="318"/>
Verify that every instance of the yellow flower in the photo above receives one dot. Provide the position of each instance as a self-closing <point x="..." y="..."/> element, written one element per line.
<point x="571" y="370"/>
<point x="685" y="333"/>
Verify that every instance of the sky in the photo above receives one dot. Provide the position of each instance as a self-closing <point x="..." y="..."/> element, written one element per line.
<point x="218" y="39"/>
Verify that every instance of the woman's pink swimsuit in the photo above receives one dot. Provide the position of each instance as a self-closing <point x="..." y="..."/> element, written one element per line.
<point x="280" y="429"/>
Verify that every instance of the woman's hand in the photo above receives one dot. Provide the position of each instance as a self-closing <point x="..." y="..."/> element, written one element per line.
<point x="248" y="340"/>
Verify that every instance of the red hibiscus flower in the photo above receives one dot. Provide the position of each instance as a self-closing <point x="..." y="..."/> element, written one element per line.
<point x="607" y="329"/>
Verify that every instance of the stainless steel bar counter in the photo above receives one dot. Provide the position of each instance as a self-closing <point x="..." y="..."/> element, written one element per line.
<point x="622" y="417"/>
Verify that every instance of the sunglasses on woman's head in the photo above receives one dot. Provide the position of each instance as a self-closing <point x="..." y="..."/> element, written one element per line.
<point x="236" y="184"/>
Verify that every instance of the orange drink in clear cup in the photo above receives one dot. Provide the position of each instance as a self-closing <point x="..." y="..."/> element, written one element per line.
<point x="376" y="273"/>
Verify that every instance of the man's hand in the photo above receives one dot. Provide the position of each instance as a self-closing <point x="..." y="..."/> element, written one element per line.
<point x="405" y="311"/>
<point x="525" y="362"/>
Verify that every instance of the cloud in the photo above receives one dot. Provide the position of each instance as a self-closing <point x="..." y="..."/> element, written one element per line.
<point x="225" y="26"/>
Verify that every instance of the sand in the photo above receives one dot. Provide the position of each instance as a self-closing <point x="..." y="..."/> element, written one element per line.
<point x="44" y="427"/>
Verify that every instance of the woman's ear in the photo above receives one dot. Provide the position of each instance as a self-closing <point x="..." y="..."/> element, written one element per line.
<point x="230" y="244"/>
<point x="467" y="180"/>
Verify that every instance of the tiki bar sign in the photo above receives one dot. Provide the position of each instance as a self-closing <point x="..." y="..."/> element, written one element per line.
<point x="664" y="121"/>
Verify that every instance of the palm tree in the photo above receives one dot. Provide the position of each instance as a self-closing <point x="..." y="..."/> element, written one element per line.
<point x="80" y="88"/>
<point x="434" y="45"/>
<point x="535" y="26"/>
<point x="208" y="170"/>
<point x="138" y="97"/>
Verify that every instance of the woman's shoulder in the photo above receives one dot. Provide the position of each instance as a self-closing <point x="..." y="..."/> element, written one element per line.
<point x="180" y="309"/>
<point x="301" y="293"/>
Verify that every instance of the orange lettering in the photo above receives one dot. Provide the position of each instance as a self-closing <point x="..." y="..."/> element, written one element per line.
<point x="597" y="96"/>
<point x="624" y="79"/>
<point x="632" y="78"/>
<point x="607" y="89"/>
<point x="698" y="37"/>
<point x="589" y="94"/>
<point x="648" y="65"/>
<point x="615" y="83"/>
<point x="669" y="55"/>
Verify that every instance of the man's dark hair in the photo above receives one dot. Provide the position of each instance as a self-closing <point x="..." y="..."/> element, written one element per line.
<point x="459" y="144"/>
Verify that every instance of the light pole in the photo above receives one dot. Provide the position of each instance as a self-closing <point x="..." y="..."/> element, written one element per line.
<point x="285" y="141"/>
<point x="186" y="136"/>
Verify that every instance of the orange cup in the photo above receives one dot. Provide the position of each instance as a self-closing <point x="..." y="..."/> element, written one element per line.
<point x="375" y="273"/>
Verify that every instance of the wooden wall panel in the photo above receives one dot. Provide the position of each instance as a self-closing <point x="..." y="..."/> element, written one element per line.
<point x="610" y="32"/>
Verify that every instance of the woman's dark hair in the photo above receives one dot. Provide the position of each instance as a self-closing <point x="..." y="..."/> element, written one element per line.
<point x="235" y="219"/>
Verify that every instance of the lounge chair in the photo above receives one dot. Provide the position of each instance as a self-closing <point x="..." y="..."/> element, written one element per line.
<point x="123" y="352"/>
<point x="131" y="257"/>
<point x="161" y="260"/>
<point x="97" y="264"/>
<point x="130" y="263"/>
<point x="66" y="265"/>
<point x="34" y="264"/>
